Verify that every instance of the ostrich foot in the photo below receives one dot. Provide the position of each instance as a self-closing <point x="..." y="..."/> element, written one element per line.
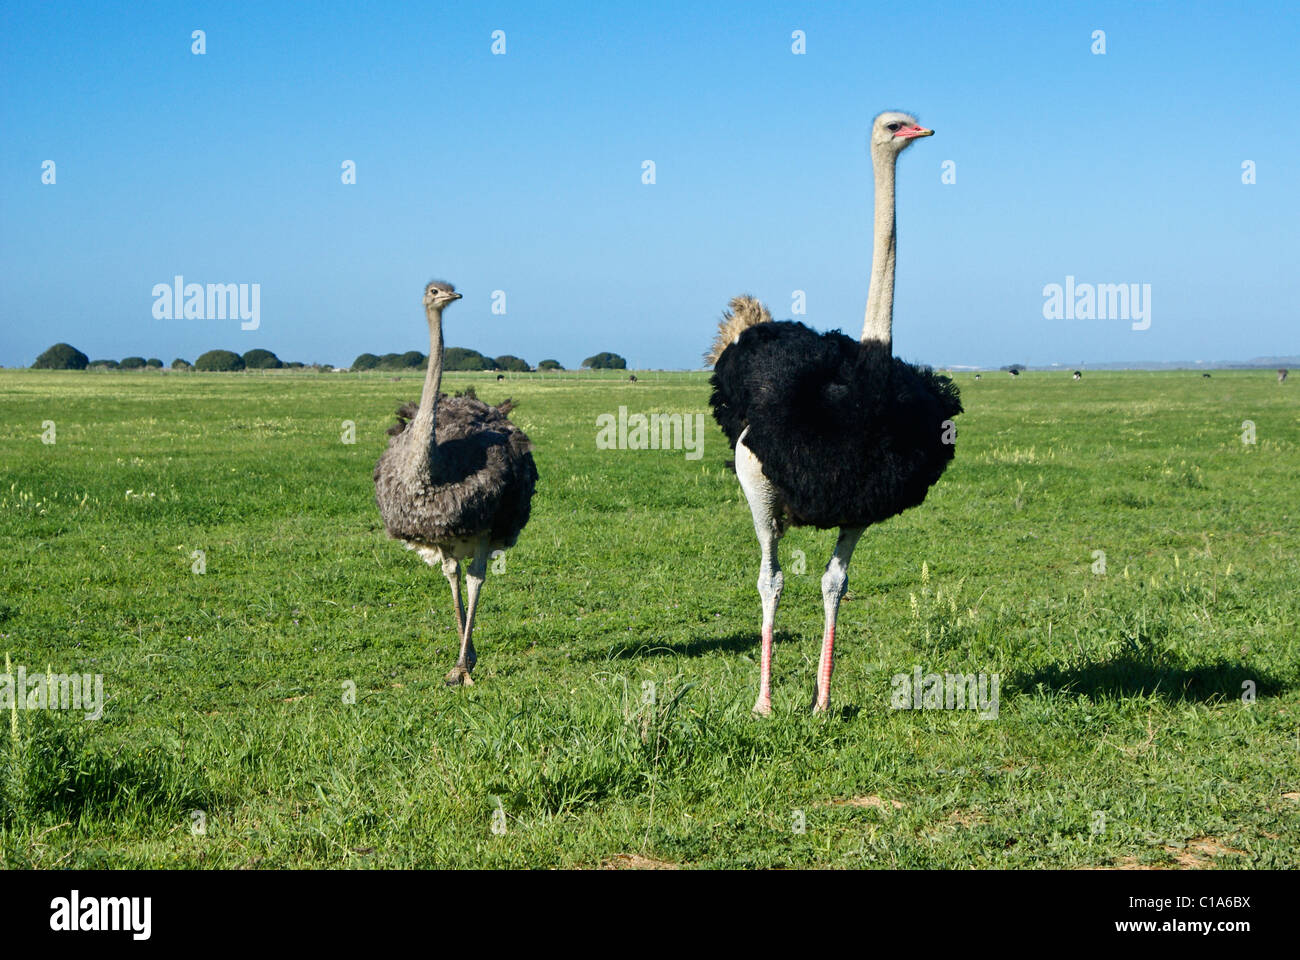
<point x="819" y="703"/>
<point x="458" y="676"/>
<point x="763" y="707"/>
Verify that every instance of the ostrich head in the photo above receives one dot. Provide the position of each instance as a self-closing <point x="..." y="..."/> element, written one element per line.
<point x="895" y="131"/>
<point x="438" y="294"/>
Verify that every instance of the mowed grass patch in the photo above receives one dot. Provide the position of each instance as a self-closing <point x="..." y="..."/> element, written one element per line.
<point x="610" y="720"/>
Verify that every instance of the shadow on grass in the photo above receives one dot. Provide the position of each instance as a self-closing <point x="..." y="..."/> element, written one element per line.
<point x="736" y="643"/>
<point x="52" y="768"/>
<point x="1143" y="675"/>
<point x="844" y="713"/>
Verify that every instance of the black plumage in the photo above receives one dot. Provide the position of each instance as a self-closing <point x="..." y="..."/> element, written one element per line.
<point x="848" y="434"/>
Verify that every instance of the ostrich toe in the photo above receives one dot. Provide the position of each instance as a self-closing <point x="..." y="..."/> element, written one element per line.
<point x="458" y="676"/>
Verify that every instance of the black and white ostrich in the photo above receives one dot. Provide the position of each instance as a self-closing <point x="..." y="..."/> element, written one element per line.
<point x="456" y="482"/>
<point x="1078" y="375"/>
<point x="830" y="431"/>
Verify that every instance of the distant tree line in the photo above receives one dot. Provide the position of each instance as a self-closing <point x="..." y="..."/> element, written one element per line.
<point x="453" y="358"/>
<point x="462" y="358"/>
<point x="64" y="356"/>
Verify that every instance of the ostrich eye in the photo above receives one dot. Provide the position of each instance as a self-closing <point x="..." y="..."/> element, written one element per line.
<point x="893" y="126"/>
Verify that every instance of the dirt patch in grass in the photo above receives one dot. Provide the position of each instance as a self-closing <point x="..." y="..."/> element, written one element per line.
<point x="1200" y="852"/>
<point x="1129" y="863"/>
<point x="964" y="818"/>
<point x="1196" y="854"/>
<point x="634" y="861"/>
<point x="880" y="803"/>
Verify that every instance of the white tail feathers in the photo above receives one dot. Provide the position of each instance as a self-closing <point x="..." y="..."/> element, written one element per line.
<point x="743" y="313"/>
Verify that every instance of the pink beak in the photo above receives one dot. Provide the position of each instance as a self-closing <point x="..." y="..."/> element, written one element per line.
<point x="908" y="133"/>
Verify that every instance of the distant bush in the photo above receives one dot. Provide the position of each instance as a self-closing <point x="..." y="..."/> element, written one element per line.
<point x="179" y="364"/>
<point x="261" y="360"/>
<point x="454" y="358"/>
<point x="220" y="361"/>
<point x="1014" y="368"/>
<point x="461" y="358"/>
<point x="605" y="361"/>
<point x="512" y="363"/>
<point x="153" y="363"/>
<point x="132" y="363"/>
<point x="396" y="361"/>
<point x="295" y="365"/>
<point x="61" y="356"/>
<point x="103" y="365"/>
<point x="550" y="365"/>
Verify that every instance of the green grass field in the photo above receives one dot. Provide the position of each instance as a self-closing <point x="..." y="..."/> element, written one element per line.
<point x="1121" y="738"/>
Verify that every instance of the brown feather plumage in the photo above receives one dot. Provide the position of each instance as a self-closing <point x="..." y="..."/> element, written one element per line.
<point x="744" y="312"/>
<point x="482" y="479"/>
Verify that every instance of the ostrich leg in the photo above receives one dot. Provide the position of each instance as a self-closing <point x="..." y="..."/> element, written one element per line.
<point x="474" y="574"/>
<point x="763" y="504"/>
<point x="834" y="582"/>
<point x="451" y="570"/>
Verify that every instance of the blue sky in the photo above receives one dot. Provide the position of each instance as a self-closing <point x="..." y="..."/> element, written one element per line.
<point x="523" y="173"/>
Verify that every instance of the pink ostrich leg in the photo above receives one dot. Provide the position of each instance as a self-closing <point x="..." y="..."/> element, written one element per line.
<point x="764" y="505"/>
<point x="763" y="704"/>
<point x="834" y="582"/>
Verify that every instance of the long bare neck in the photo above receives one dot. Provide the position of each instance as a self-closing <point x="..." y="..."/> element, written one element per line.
<point x="423" y="426"/>
<point x="879" y="324"/>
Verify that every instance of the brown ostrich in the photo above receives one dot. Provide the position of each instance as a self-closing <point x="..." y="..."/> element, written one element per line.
<point x="456" y="482"/>
<point x="1281" y="376"/>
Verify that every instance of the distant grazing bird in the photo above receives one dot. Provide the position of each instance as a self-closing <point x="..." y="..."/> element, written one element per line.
<point x="1205" y="376"/>
<point x="830" y="431"/>
<point x="500" y="377"/>
<point x="1078" y="375"/>
<point x="977" y="376"/>
<point x="456" y="482"/>
<point x="1014" y="372"/>
<point x="632" y="378"/>
<point x="1281" y="376"/>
